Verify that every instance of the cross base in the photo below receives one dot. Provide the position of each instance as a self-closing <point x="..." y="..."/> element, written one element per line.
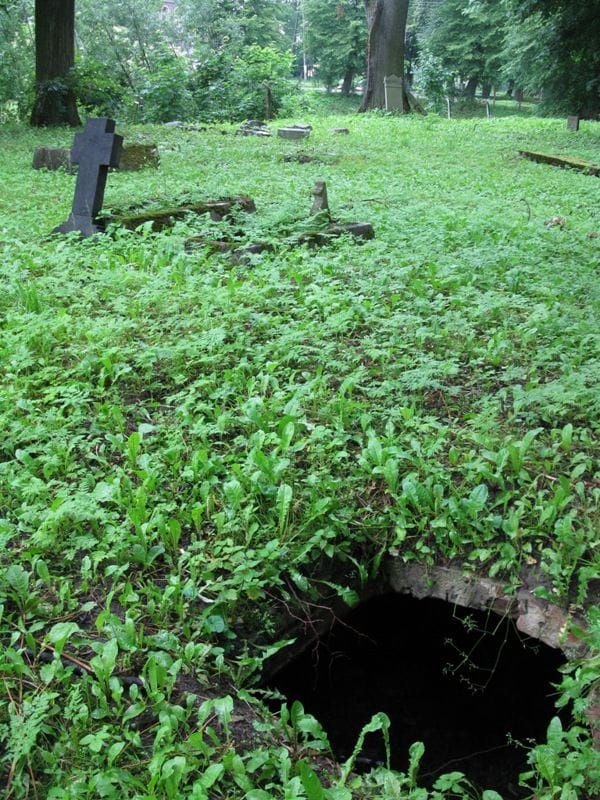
<point x="77" y="222"/>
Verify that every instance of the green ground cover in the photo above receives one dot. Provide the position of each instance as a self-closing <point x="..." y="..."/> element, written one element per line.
<point x="187" y="442"/>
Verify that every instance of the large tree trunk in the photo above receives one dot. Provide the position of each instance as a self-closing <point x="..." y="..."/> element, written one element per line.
<point x="347" y="82"/>
<point x="386" y="24"/>
<point x="54" y="58"/>
<point x="471" y="87"/>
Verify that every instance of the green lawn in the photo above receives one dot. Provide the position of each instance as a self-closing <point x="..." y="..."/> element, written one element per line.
<point x="184" y="438"/>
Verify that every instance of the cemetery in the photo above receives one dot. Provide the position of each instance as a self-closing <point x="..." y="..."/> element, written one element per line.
<point x="300" y="402"/>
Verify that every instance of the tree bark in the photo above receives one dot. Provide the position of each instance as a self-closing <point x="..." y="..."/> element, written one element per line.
<point x="386" y="25"/>
<point x="347" y="82"/>
<point x="471" y="87"/>
<point x="54" y="59"/>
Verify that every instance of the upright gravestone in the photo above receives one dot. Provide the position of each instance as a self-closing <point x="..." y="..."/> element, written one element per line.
<point x="95" y="150"/>
<point x="573" y="122"/>
<point x="394" y="92"/>
<point x="320" y="201"/>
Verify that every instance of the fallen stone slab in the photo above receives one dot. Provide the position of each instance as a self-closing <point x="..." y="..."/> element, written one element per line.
<point x="254" y="127"/>
<point x="166" y="217"/>
<point x="52" y="158"/>
<point x="317" y="238"/>
<point x="293" y="133"/>
<point x="579" y="164"/>
<point x="323" y="236"/>
<point x="238" y="254"/>
<point x="340" y="131"/>
<point x="250" y="132"/>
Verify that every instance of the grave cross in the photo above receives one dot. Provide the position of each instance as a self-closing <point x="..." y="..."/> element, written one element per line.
<point x="95" y="150"/>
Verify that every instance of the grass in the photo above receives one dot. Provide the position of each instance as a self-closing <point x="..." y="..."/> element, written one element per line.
<point x="187" y="444"/>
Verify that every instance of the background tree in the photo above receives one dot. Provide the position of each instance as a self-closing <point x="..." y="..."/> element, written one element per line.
<point x="17" y="39"/>
<point x="336" y="40"/>
<point x="54" y="60"/>
<point x="467" y="38"/>
<point x="386" y="26"/>
<point x="567" y="40"/>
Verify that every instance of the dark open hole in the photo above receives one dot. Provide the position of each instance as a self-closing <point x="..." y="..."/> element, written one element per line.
<point x="464" y="682"/>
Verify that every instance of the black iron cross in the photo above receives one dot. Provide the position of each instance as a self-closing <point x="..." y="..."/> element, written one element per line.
<point x="95" y="150"/>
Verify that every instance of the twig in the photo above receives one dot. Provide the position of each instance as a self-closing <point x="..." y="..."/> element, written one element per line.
<point x="464" y="758"/>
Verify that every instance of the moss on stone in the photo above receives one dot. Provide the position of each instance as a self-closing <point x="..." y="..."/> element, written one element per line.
<point x="137" y="156"/>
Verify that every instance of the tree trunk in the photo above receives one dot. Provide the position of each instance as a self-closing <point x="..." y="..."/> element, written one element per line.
<point x="486" y="90"/>
<point x="347" y="82"/>
<point x="54" y="58"/>
<point x="471" y="87"/>
<point x="386" y="25"/>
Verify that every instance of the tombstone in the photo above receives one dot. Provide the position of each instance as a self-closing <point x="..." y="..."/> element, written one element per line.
<point x="137" y="156"/>
<point x="95" y="150"/>
<point x="253" y="127"/>
<point x="293" y="132"/>
<point x="342" y="131"/>
<point x="52" y="158"/>
<point x="573" y="122"/>
<point x="394" y="93"/>
<point x="320" y="201"/>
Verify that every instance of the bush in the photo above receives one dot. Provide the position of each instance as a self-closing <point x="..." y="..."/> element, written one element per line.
<point x="232" y="87"/>
<point x="97" y="91"/>
<point x="256" y="68"/>
<point x="432" y="80"/>
<point x="166" y="94"/>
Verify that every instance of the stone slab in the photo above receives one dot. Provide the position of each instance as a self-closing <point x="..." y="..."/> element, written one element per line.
<point x="137" y="156"/>
<point x="293" y="133"/>
<point x="589" y="167"/>
<point x="394" y="93"/>
<point x="52" y="158"/>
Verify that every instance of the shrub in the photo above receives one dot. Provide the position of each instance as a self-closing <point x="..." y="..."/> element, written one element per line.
<point x="96" y="89"/>
<point x="166" y="94"/>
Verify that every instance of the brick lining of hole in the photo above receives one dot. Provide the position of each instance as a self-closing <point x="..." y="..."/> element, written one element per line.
<point x="534" y="616"/>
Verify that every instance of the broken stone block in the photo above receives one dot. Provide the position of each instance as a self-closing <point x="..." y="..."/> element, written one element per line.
<point x="320" y="201"/>
<point x="342" y="131"/>
<point x="321" y="237"/>
<point x="52" y="158"/>
<point x="138" y="156"/>
<point x="293" y="133"/>
<point x="253" y="127"/>
<point x="166" y="217"/>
